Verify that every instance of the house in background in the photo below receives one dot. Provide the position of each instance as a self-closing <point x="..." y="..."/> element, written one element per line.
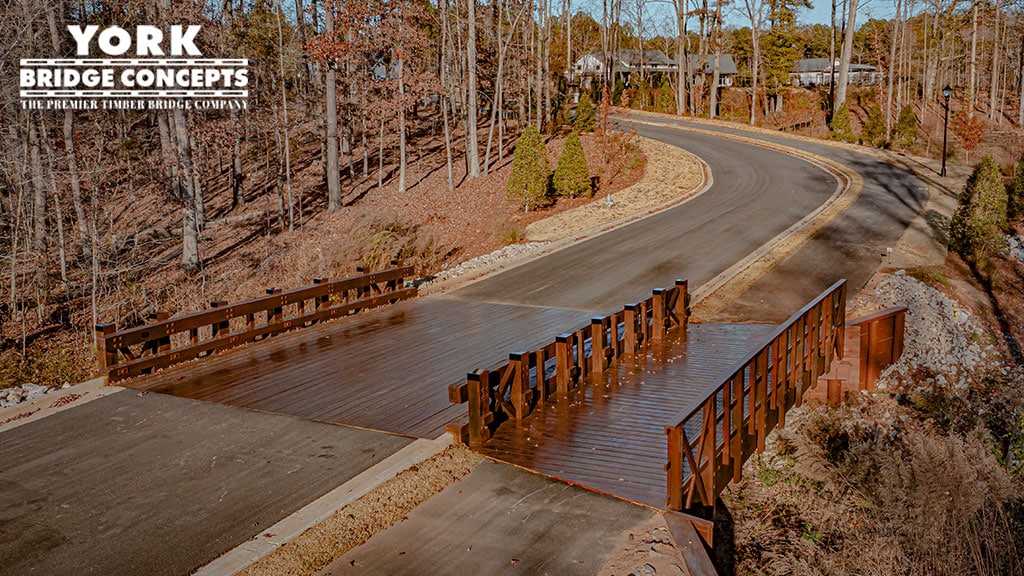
<point x="591" y="67"/>
<point x="817" y="72"/>
<point x="726" y="69"/>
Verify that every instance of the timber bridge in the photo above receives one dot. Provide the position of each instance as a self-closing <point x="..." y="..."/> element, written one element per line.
<point x="641" y="404"/>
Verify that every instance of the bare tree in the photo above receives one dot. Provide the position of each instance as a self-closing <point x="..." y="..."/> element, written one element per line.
<point x="846" y="55"/>
<point x="472" y="147"/>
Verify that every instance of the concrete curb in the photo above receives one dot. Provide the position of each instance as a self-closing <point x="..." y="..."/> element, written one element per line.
<point x="21" y="414"/>
<point x="266" y="542"/>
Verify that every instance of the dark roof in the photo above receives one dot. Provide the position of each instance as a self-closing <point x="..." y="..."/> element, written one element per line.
<point x="726" y="65"/>
<point x="650" y="57"/>
<point x="821" y="65"/>
<point x="811" y="65"/>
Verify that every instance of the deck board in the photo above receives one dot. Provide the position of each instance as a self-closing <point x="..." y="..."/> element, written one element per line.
<point x="386" y="369"/>
<point x="609" y="435"/>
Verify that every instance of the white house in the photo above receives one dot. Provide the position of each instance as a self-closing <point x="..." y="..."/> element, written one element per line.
<point x="817" y="72"/>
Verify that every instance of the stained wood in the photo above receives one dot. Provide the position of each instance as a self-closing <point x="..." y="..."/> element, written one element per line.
<point x="609" y="436"/>
<point x="387" y="369"/>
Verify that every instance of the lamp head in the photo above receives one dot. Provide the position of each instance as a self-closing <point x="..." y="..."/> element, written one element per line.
<point x="947" y="92"/>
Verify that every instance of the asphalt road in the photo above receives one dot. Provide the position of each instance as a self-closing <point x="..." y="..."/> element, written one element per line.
<point x="757" y="193"/>
<point x="852" y="246"/>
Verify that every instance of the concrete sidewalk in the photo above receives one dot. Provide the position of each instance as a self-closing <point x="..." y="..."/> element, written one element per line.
<point x="151" y="484"/>
<point x="502" y="520"/>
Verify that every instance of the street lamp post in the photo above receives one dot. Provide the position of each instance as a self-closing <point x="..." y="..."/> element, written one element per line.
<point x="946" y="92"/>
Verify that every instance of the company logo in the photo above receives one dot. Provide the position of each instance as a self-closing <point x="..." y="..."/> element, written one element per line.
<point x="146" y="71"/>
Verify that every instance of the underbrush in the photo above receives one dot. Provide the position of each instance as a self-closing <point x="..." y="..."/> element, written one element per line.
<point x="918" y="485"/>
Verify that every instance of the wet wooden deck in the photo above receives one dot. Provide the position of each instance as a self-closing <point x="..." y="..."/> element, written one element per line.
<point x="610" y="435"/>
<point x="386" y="369"/>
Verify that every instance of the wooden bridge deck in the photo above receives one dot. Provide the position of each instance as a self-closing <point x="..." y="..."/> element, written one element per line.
<point x="610" y="435"/>
<point x="386" y="369"/>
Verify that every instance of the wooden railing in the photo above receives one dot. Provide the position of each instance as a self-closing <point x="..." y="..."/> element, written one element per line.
<point x="881" y="343"/>
<point x="514" y="388"/>
<point x="711" y="440"/>
<point x="167" y="341"/>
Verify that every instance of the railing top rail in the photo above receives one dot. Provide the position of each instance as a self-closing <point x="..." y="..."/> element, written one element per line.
<point x="211" y="314"/>
<point x="698" y="404"/>
<point x="880" y="315"/>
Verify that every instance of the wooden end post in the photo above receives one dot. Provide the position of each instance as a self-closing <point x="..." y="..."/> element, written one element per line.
<point x="658" y="302"/>
<point x="683" y="305"/>
<point x="479" y="392"/>
<point x="106" y="354"/>
<point x="674" y="467"/>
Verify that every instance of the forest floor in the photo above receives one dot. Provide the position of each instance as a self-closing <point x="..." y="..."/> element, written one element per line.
<point x="248" y="248"/>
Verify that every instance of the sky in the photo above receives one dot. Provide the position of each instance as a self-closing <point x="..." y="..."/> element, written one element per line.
<point x="660" y="16"/>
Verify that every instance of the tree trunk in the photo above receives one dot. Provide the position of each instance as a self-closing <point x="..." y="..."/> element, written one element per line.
<point x="38" y="190"/>
<point x="472" y="147"/>
<point x="892" y="68"/>
<point x="847" y="53"/>
<point x="190" y="222"/>
<point x="972" y="86"/>
<point x="402" y="161"/>
<point x="237" y="175"/>
<point x="333" y="173"/>
<point x="993" y="89"/>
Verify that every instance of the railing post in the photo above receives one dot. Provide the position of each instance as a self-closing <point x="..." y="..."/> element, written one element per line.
<point x="658" y="316"/>
<point x="163" y="343"/>
<point x="737" y="422"/>
<point x="319" y="301"/>
<point x="629" y="337"/>
<point x="519" y="394"/>
<point x="597" y="345"/>
<point x="106" y="354"/>
<point x="683" y="305"/>
<point x="563" y="358"/>
<point x="479" y="403"/>
<point x="218" y="328"/>
<point x="674" y="467"/>
<point x="362" y="291"/>
<point x="539" y="358"/>
<point x="275" y="314"/>
<point x="645" y="330"/>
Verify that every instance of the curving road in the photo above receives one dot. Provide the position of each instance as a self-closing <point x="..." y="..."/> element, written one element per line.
<point x="757" y="193"/>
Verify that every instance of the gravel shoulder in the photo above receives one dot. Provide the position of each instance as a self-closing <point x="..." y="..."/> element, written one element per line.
<point x="673" y="175"/>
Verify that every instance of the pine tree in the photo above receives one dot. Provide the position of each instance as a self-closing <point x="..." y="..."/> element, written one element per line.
<point x="1015" y="192"/>
<point x="528" y="185"/>
<point x="904" y="133"/>
<point x="585" y="115"/>
<point x="976" y="230"/>
<point x="840" y="125"/>
<point x="666" y="101"/>
<point x="874" y="129"/>
<point x="572" y="176"/>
